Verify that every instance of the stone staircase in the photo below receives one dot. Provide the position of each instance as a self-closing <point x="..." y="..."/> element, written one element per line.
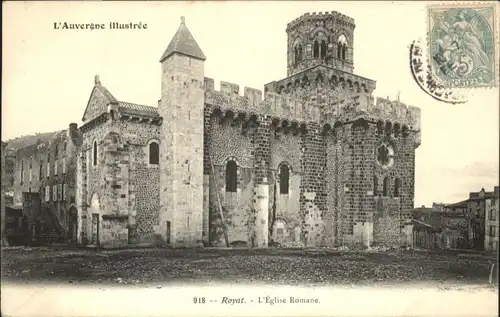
<point x="51" y="229"/>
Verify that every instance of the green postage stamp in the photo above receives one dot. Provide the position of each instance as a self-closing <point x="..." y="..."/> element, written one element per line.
<point x="463" y="45"/>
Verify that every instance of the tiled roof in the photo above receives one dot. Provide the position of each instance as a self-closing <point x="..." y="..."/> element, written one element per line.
<point x="417" y="223"/>
<point x="134" y="108"/>
<point x="183" y="42"/>
<point x="27" y="140"/>
<point x="462" y="203"/>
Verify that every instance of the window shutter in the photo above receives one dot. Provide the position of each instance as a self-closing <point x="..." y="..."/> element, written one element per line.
<point x="47" y="193"/>
<point x="54" y="193"/>
<point x="55" y="167"/>
<point x="64" y="165"/>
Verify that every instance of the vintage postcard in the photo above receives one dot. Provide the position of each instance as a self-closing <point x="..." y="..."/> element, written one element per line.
<point x="250" y="158"/>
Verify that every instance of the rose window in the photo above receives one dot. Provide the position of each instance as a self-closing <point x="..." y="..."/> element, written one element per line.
<point x="385" y="155"/>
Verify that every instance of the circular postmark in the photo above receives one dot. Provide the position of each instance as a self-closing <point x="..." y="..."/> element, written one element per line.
<point x="431" y="84"/>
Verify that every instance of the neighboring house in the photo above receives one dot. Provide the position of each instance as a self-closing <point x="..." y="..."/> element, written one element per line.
<point x="471" y="223"/>
<point x="482" y="213"/>
<point x="44" y="183"/>
<point x="491" y="221"/>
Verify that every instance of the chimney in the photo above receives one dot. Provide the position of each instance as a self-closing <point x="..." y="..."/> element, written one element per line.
<point x="73" y="130"/>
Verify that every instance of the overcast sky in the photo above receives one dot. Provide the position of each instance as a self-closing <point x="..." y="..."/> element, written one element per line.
<point x="48" y="74"/>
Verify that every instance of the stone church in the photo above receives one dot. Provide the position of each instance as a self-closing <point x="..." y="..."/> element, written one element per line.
<point x="314" y="160"/>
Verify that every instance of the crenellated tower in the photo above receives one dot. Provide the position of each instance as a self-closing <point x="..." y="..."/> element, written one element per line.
<point x="181" y="150"/>
<point x="320" y="39"/>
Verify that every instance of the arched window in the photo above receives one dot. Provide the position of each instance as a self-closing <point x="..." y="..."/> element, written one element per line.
<point x="316" y="49"/>
<point x="154" y="153"/>
<point x="341" y="46"/>
<point x="375" y="186"/>
<point x="284" y="179"/>
<point x="295" y="55"/>
<point x="231" y="176"/>
<point x="323" y="49"/>
<point x="94" y="154"/>
<point x="386" y="187"/>
<point x="299" y="51"/>
<point x="397" y="187"/>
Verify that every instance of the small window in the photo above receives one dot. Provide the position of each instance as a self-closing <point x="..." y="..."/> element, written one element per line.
<point x="54" y="192"/>
<point x="22" y="171"/>
<point x="94" y="154"/>
<point x="386" y="187"/>
<point x="47" y="193"/>
<point x="40" y="172"/>
<point x="397" y="188"/>
<point x="323" y="49"/>
<point x="56" y="151"/>
<point x="341" y="47"/>
<point x="375" y="186"/>
<point x="154" y="153"/>
<point x="492" y="215"/>
<point x="231" y="176"/>
<point x="493" y="231"/>
<point x="299" y="51"/>
<point x="316" y="49"/>
<point x="284" y="179"/>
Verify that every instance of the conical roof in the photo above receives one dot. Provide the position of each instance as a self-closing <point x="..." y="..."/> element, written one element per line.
<point x="183" y="42"/>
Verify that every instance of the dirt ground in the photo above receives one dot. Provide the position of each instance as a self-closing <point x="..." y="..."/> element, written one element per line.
<point x="212" y="266"/>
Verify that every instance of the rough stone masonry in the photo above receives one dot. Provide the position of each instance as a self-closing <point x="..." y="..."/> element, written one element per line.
<point x="312" y="161"/>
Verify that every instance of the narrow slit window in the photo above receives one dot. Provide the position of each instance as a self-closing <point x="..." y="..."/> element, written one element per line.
<point x="316" y="49"/>
<point x="284" y="179"/>
<point x="94" y="154"/>
<point x="231" y="176"/>
<point x="323" y="49"/>
<point x="397" y="188"/>
<point x="386" y="187"/>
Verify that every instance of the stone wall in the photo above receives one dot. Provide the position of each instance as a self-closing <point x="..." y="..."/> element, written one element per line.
<point x="144" y="187"/>
<point x="313" y="187"/>
<point x="284" y="209"/>
<point x="93" y="179"/>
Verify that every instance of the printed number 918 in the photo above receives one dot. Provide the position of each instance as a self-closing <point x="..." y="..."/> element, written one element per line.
<point x="199" y="300"/>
